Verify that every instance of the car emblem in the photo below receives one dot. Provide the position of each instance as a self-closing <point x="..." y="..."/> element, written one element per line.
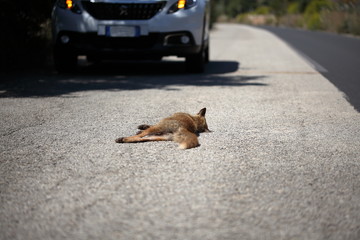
<point x="123" y="10"/>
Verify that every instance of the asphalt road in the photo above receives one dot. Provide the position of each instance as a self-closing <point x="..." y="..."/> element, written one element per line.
<point x="282" y="161"/>
<point x="337" y="57"/>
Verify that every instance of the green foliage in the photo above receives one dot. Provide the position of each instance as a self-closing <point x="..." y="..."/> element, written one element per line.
<point x="243" y="18"/>
<point x="345" y="22"/>
<point x="317" y="6"/>
<point x="313" y="21"/>
<point x="312" y="13"/>
<point x="302" y="4"/>
<point x="294" y="8"/>
<point x="232" y="8"/>
<point x="263" y="10"/>
<point x="278" y="7"/>
<point x="332" y="15"/>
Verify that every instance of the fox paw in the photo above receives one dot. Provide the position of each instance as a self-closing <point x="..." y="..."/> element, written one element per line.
<point x="119" y="140"/>
<point x="143" y="127"/>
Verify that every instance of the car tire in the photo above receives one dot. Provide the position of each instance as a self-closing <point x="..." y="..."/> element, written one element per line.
<point x="207" y="55"/>
<point x="196" y="63"/>
<point x="64" y="61"/>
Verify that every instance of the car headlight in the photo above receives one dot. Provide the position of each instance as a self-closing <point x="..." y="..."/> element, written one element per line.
<point x="69" y="4"/>
<point x="182" y="4"/>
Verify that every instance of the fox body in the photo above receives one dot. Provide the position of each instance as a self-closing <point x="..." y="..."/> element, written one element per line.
<point x="182" y="128"/>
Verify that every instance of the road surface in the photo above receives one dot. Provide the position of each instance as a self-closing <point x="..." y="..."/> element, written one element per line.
<point x="282" y="161"/>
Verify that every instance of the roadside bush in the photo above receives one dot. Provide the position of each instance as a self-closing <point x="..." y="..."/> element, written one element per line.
<point x="353" y="23"/>
<point x="260" y="16"/>
<point x="243" y="18"/>
<point x="312" y="15"/>
<point x="293" y="8"/>
<point x="292" y="20"/>
<point x="343" y="18"/>
<point x="262" y="10"/>
<point x="215" y="12"/>
<point x="336" y="21"/>
<point x="313" y="22"/>
<point x="293" y="17"/>
<point x="256" y="19"/>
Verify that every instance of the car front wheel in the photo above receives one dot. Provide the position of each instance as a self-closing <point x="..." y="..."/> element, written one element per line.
<point x="196" y="63"/>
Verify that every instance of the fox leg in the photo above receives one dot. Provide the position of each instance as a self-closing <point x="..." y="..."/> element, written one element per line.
<point x="149" y="134"/>
<point x="136" y="139"/>
<point x="142" y="127"/>
<point x="186" y="139"/>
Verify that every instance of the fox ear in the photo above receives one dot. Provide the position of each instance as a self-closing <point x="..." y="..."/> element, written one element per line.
<point x="202" y="112"/>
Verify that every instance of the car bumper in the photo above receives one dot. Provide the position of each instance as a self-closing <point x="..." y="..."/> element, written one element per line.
<point x="179" y="44"/>
<point x="191" y="20"/>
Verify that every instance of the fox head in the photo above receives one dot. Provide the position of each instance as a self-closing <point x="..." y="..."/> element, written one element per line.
<point x="201" y="121"/>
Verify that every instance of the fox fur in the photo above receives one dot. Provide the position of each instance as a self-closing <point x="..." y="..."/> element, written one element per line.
<point x="182" y="128"/>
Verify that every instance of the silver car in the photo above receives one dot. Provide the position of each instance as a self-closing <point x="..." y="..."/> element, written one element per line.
<point x="131" y="29"/>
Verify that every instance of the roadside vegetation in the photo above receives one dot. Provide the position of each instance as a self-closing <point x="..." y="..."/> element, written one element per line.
<point x="340" y="16"/>
<point x="26" y="30"/>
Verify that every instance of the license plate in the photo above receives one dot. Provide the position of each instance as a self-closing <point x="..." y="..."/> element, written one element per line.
<point x="119" y="31"/>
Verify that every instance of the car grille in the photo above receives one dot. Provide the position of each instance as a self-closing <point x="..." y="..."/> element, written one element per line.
<point x="123" y="11"/>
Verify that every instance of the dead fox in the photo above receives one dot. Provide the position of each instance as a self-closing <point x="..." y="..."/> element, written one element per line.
<point x="182" y="128"/>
